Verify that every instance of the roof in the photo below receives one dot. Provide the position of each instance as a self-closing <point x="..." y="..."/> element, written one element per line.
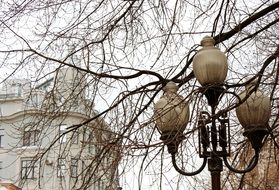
<point x="8" y="186"/>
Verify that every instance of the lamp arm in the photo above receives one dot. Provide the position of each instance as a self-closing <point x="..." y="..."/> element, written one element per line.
<point x="187" y="173"/>
<point x="251" y="166"/>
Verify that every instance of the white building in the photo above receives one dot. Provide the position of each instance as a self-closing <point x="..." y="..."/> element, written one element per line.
<point x="43" y="145"/>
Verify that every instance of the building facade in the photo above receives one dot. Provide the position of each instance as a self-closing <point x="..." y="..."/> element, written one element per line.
<point x="48" y="139"/>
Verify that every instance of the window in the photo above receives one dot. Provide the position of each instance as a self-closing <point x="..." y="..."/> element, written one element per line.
<point x="87" y="134"/>
<point x="30" y="137"/>
<point x="99" y="184"/>
<point x="61" y="167"/>
<point x="75" y="136"/>
<point x="88" y="140"/>
<point x="17" y="89"/>
<point x="91" y="149"/>
<point x="84" y="169"/>
<point x="35" y="98"/>
<point x="62" y="131"/>
<point x="1" y="137"/>
<point x="106" y="160"/>
<point x="74" y="167"/>
<point x="28" y="169"/>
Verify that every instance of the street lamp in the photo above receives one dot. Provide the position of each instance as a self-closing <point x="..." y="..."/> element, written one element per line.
<point x="172" y="114"/>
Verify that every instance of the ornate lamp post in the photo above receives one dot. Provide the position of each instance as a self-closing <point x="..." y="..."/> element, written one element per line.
<point x="172" y="115"/>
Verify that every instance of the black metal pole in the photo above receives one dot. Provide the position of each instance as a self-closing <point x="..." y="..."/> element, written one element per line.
<point x="215" y="166"/>
<point x="215" y="163"/>
<point x="215" y="180"/>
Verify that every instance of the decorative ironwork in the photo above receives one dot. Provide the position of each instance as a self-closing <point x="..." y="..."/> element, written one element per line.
<point x="214" y="135"/>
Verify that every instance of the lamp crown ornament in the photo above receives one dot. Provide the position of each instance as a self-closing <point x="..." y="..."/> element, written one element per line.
<point x="207" y="41"/>
<point x="170" y="87"/>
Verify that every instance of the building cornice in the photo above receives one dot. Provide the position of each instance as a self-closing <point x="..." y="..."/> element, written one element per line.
<point x="8" y="99"/>
<point x="44" y="113"/>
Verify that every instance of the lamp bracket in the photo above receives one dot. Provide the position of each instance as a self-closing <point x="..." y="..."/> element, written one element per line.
<point x="187" y="173"/>
<point x="253" y="163"/>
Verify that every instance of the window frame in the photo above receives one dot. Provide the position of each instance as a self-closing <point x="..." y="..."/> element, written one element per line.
<point x="62" y="137"/>
<point x="83" y="168"/>
<point x="74" y="167"/>
<point x="88" y="134"/>
<point x="61" y="167"/>
<point x="30" y="136"/>
<point x="88" y="139"/>
<point x="1" y="141"/>
<point x="2" y="131"/>
<point x="27" y="168"/>
<point x="75" y="137"/>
